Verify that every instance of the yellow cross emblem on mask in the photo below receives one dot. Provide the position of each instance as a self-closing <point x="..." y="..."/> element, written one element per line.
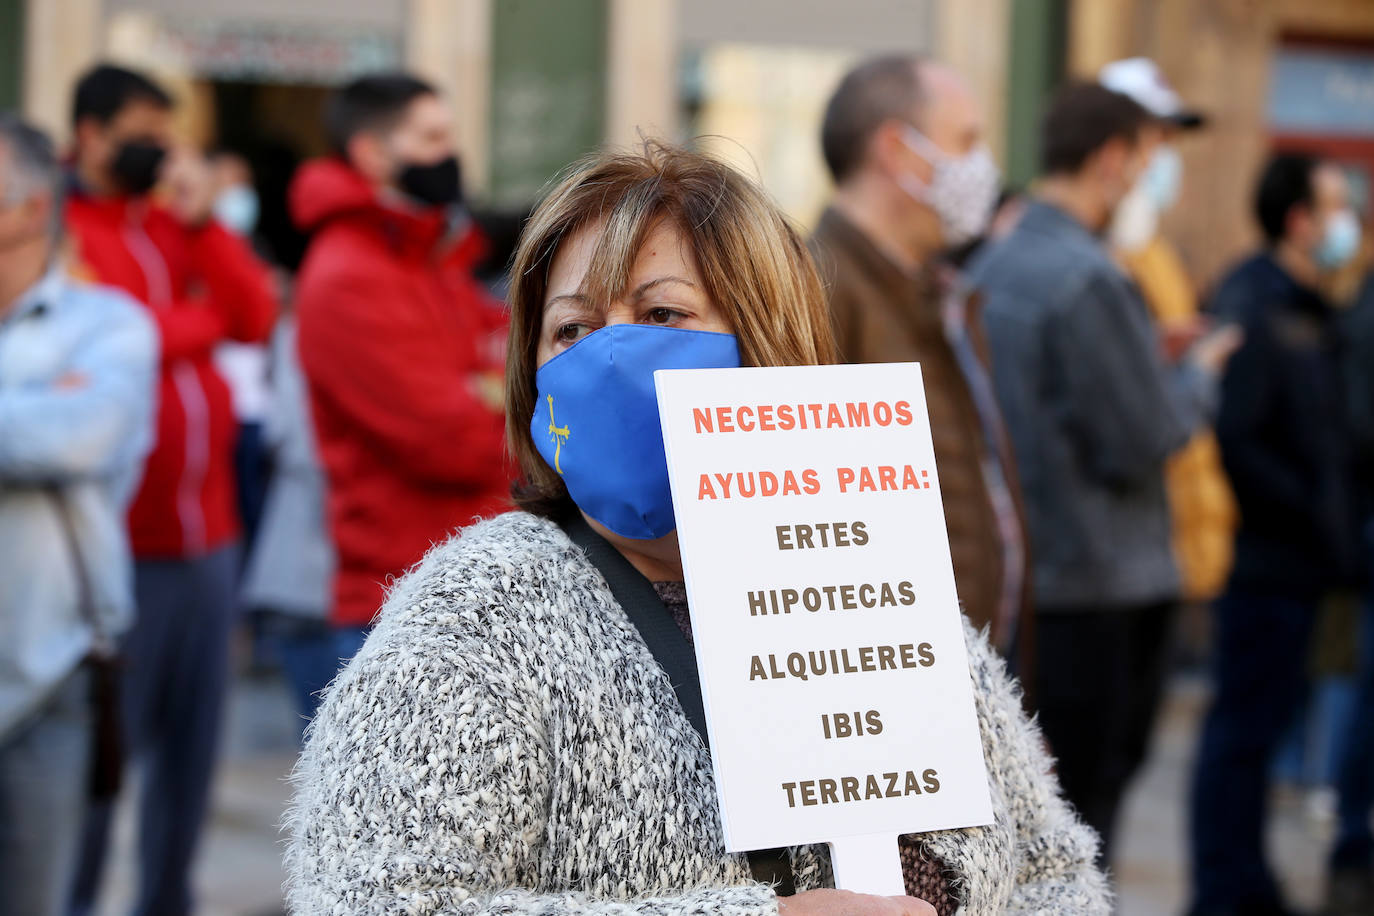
<point x="560" y="435"/>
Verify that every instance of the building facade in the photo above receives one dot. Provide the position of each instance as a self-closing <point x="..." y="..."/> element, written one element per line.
<point x="536" y="83"/>
<point x="1272" y="74"/>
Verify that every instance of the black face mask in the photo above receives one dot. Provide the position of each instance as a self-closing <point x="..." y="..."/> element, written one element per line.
<point x="438" y="184"/>
<point x="136" y="165"/>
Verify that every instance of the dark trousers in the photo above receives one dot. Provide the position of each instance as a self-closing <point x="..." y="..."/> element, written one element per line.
<point x="304" y="648"/>
<point x="1355" y="776"/>
<point x="45" y="765"/>
<point x="177" y="669"/>
<point x="1099" y="675"/>
<point x="1260" y="663"/>
<point x="311" y="652"/>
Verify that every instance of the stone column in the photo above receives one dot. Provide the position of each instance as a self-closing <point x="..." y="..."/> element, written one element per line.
<point x="1099" y="33"/>
<point x="641" y="71"/>
<point x="448" y="42"/>
<point x="1217" y="56"/>
<point x="974" y="37"/>
<point x="61" y="39"/>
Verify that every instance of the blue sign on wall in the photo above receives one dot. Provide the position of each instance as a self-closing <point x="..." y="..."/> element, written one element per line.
<point x="1322" y="92"/>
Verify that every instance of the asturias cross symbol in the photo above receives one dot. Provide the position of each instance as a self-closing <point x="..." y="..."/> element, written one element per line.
<point x="560" y="435"/>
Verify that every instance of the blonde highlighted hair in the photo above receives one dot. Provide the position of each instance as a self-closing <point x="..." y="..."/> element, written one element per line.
<point x="754" y="264"/>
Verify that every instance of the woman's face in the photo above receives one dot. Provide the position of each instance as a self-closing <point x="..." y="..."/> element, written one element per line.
<point x="665" y="288"/>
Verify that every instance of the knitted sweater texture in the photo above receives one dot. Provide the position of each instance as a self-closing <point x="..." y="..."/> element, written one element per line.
<point x="506" y="743"/>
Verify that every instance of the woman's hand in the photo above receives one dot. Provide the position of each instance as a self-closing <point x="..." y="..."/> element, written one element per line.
<point x="847" y="903"/>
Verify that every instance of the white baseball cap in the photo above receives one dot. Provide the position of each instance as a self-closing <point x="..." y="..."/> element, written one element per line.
<point x="1141" y="80"/>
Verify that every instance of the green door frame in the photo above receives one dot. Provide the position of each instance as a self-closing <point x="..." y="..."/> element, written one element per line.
<point x="1039" y="42"/>
<point x="548" y="91"/>
<point x="11" y="52"/>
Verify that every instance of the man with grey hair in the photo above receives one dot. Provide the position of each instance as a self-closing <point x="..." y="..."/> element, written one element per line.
<point x="904" y="141"/>
<point x="78" y="367"/>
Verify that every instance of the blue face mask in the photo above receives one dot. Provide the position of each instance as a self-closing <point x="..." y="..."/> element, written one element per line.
<point x="1340" y="240"/>
<point x="596" y="420"/>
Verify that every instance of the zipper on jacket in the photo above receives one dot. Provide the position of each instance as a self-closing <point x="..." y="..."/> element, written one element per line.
<point x="156" y="277"/>
<point x="186" y="380"/>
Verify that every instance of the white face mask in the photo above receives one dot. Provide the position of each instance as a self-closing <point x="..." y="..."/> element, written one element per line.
<point x="962" y="191"/>
<point x="1135" y="220"/>
<point x="1163" y="177"/>
<point x="1340" y="240"/>
<point x="236" y="209"/>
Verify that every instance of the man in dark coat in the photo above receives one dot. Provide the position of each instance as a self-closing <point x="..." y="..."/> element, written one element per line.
<point x="1285" y="444"/>
<point x="904" y="141"/>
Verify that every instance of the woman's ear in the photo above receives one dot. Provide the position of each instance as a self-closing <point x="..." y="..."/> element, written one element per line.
<point x="891" y="151"/>
<point x="368" y="155"/>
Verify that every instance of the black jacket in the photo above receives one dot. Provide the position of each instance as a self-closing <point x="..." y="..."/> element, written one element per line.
<point x="1359" y="373"/>
<point x="1359" y="386"/>
<point x="1284" y="435"/>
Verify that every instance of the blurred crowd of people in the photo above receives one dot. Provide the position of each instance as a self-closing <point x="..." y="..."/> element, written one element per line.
<point x="188" y="434"/>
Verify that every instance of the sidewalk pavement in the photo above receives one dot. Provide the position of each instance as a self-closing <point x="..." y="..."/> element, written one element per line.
<point x="1152" y="865"/>
<point x="240" y="862"/>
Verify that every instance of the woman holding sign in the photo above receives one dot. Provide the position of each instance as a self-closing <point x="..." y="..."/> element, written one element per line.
<point x="522" y="731"/>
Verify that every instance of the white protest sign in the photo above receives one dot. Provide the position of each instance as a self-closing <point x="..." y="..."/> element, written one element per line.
<point x="828" y="635"/>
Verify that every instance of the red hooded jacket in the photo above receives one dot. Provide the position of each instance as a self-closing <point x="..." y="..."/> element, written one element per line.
<point x="201" y="285"/>
<point x="401" y="348"/>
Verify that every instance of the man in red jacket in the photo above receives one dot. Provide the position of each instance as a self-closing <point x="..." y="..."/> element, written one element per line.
<point x="401" y="347"/>
<point x="201" y="285"/>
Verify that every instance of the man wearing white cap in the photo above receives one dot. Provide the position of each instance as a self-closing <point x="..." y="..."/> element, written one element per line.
<point x="1094" y="412"/>
<point x="1141" y="79"/>
<point x="1200" y="499"/>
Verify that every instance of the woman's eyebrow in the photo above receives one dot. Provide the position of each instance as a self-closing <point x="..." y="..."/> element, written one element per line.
<point x="637" y="293"/>
<point x="577" y="298"/>
<point x="647" y="285"/>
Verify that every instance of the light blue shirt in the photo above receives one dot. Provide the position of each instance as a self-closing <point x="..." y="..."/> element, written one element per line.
<point x="78" y="376"/>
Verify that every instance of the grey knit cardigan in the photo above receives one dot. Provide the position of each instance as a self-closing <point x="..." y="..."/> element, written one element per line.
<point x="505" y="743"/>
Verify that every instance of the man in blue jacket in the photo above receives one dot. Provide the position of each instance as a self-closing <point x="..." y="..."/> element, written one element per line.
<point x="1286" y="445"/>
<point x="1093" y="412"/>
<point x="78" y="366"/>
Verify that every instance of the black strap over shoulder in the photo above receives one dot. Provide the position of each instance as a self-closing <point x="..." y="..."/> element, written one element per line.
<point x="106" y="670"/>
<point x="645" y="609"/>
<point x="674" y="655"/>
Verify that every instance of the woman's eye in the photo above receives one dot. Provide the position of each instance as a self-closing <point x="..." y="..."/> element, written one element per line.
<point x="570" y="333"/>
<point x="663" y="316"/>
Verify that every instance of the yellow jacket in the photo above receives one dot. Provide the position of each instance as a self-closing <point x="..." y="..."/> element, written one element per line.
<point x="1200" y="498"/>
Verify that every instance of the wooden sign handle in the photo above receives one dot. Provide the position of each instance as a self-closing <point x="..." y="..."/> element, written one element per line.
<point x="868" y="864"/>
